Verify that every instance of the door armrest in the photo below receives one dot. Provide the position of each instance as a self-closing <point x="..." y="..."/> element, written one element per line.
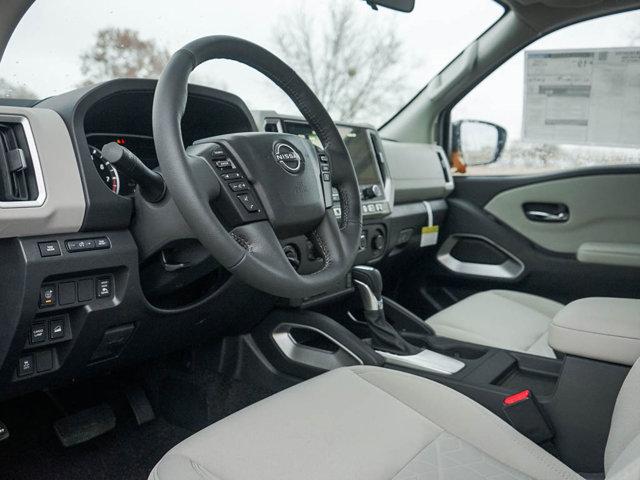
<point x="621" y="254"/>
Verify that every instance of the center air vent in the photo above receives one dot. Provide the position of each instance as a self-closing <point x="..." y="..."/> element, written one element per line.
<point x="21" y="182"/>
<point x="377" y="149"/>
<point x="272" y="125"/>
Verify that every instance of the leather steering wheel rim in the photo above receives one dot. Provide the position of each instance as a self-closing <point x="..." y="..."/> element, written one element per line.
<point x="252" y="251"/>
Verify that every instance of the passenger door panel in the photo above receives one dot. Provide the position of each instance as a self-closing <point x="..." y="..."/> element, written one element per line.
<point x="500" y="247"/>
<point x="600" y="208"/>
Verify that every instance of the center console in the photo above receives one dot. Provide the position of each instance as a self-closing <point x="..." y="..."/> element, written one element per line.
<point x="552" y="401"/>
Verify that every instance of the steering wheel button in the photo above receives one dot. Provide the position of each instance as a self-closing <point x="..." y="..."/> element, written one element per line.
<point x="324" y="168"/>
<point x="248" y="202"/>
<point x="238" y="186"/>
<point x="225" y="165"/>
<point x="326" y="177"/>
<point x="231" y="176"/>
<point x="217" y="152"/>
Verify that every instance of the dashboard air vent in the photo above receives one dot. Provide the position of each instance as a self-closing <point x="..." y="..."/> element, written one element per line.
<point x="272" y="125"/>
<point x="20" y="176"/>
<point x="444" y="163"/>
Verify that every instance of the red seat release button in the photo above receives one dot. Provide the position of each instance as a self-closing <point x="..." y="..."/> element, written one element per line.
<point x="517" y="397"/>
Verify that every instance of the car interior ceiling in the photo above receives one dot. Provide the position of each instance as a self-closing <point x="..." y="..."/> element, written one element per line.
<point x="170" y="257"/>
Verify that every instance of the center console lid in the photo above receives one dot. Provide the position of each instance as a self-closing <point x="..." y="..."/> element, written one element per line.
<point x="606" y="329"/>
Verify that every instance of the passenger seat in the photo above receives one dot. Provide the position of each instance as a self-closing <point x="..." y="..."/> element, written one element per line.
<point x="500" y="318"/>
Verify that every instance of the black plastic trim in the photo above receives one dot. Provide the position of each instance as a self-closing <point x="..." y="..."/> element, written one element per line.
<point x="104" y="210"/>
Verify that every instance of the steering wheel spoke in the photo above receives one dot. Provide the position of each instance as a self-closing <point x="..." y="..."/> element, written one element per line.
<point x="236" y="201"/>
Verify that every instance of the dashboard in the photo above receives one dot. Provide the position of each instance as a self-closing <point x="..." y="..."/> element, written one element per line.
<point x="120" y="280"/>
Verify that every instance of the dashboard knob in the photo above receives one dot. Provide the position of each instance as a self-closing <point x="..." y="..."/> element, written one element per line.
<point x="378" y="241"/>
<point x="371" y="192"/>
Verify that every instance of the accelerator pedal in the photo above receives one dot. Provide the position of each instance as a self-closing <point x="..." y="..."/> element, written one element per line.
<point x="140" y="404"/>
<point x="85" y="425"/>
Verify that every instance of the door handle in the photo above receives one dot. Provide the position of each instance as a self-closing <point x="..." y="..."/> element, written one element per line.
<point x="546" y="212"/>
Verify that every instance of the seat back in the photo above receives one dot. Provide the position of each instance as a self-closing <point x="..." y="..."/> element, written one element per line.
<point x="622" y="455"/>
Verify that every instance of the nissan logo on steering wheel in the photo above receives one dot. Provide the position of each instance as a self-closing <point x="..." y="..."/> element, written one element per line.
<point x="287" y="157"/>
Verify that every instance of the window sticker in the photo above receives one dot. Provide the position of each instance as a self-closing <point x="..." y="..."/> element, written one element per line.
<point x="586" y="96"/>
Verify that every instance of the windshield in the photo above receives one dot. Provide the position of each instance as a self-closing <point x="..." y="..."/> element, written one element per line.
<point x="363" y="64"/>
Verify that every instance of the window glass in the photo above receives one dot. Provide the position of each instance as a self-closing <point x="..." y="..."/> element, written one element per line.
<point x="363" y="64"/>
<point x="569" y="100"/>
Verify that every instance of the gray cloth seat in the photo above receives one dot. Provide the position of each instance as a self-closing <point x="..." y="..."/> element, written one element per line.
<point x="378" y="424"/>
<point x="502" y="319"/>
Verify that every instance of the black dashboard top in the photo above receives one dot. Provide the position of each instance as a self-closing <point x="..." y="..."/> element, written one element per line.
<point x="122" y="108"/>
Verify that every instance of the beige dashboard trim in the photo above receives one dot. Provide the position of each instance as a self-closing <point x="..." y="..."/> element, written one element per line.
<point x="62" y="209"/>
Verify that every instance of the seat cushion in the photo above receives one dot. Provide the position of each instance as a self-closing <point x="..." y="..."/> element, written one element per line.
<point x="502" y="319"/>
<point x="361" y="423"/>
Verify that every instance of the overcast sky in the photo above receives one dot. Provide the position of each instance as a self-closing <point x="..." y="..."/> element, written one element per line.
<point x="43" y="53"/>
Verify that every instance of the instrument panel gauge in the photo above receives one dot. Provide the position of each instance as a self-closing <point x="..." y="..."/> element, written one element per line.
<point x="107" y="172"/>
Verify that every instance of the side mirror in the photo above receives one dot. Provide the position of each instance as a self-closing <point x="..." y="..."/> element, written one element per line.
<point x="405" y="6"/>
<point x="476" y="142"/>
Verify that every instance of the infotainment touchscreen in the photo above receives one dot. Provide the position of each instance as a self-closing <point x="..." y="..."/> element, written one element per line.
<point x="358" y="143"/>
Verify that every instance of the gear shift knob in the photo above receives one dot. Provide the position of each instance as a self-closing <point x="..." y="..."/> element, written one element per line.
<point x="368" y="280"/>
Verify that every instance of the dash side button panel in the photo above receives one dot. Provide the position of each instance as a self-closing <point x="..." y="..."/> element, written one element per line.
<point x="66" y="293"/>
<point x="80" y="245"/>
<point x="25" y="366"/>
<point x="102" y="242"/>
<point x="49" y="249"/>
<point x="38" y="333"/>
<point x="104" y="287"/>
<point x="48" y="296"/>
<point x="85" y="290"/>
<point x="56" y="328"/>
<point x="85" y="244"/>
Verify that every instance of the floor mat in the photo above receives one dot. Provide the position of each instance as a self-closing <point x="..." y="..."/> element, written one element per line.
<point x="33" y="452"/>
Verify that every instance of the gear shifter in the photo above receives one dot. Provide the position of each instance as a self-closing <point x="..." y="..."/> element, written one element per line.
<point x="384" y="337"/>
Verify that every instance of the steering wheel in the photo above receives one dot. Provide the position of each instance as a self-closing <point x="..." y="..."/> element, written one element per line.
<point x="283" y="183"/>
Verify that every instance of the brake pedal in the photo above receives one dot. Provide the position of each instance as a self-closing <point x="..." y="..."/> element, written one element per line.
<point x="85" y="425"/>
